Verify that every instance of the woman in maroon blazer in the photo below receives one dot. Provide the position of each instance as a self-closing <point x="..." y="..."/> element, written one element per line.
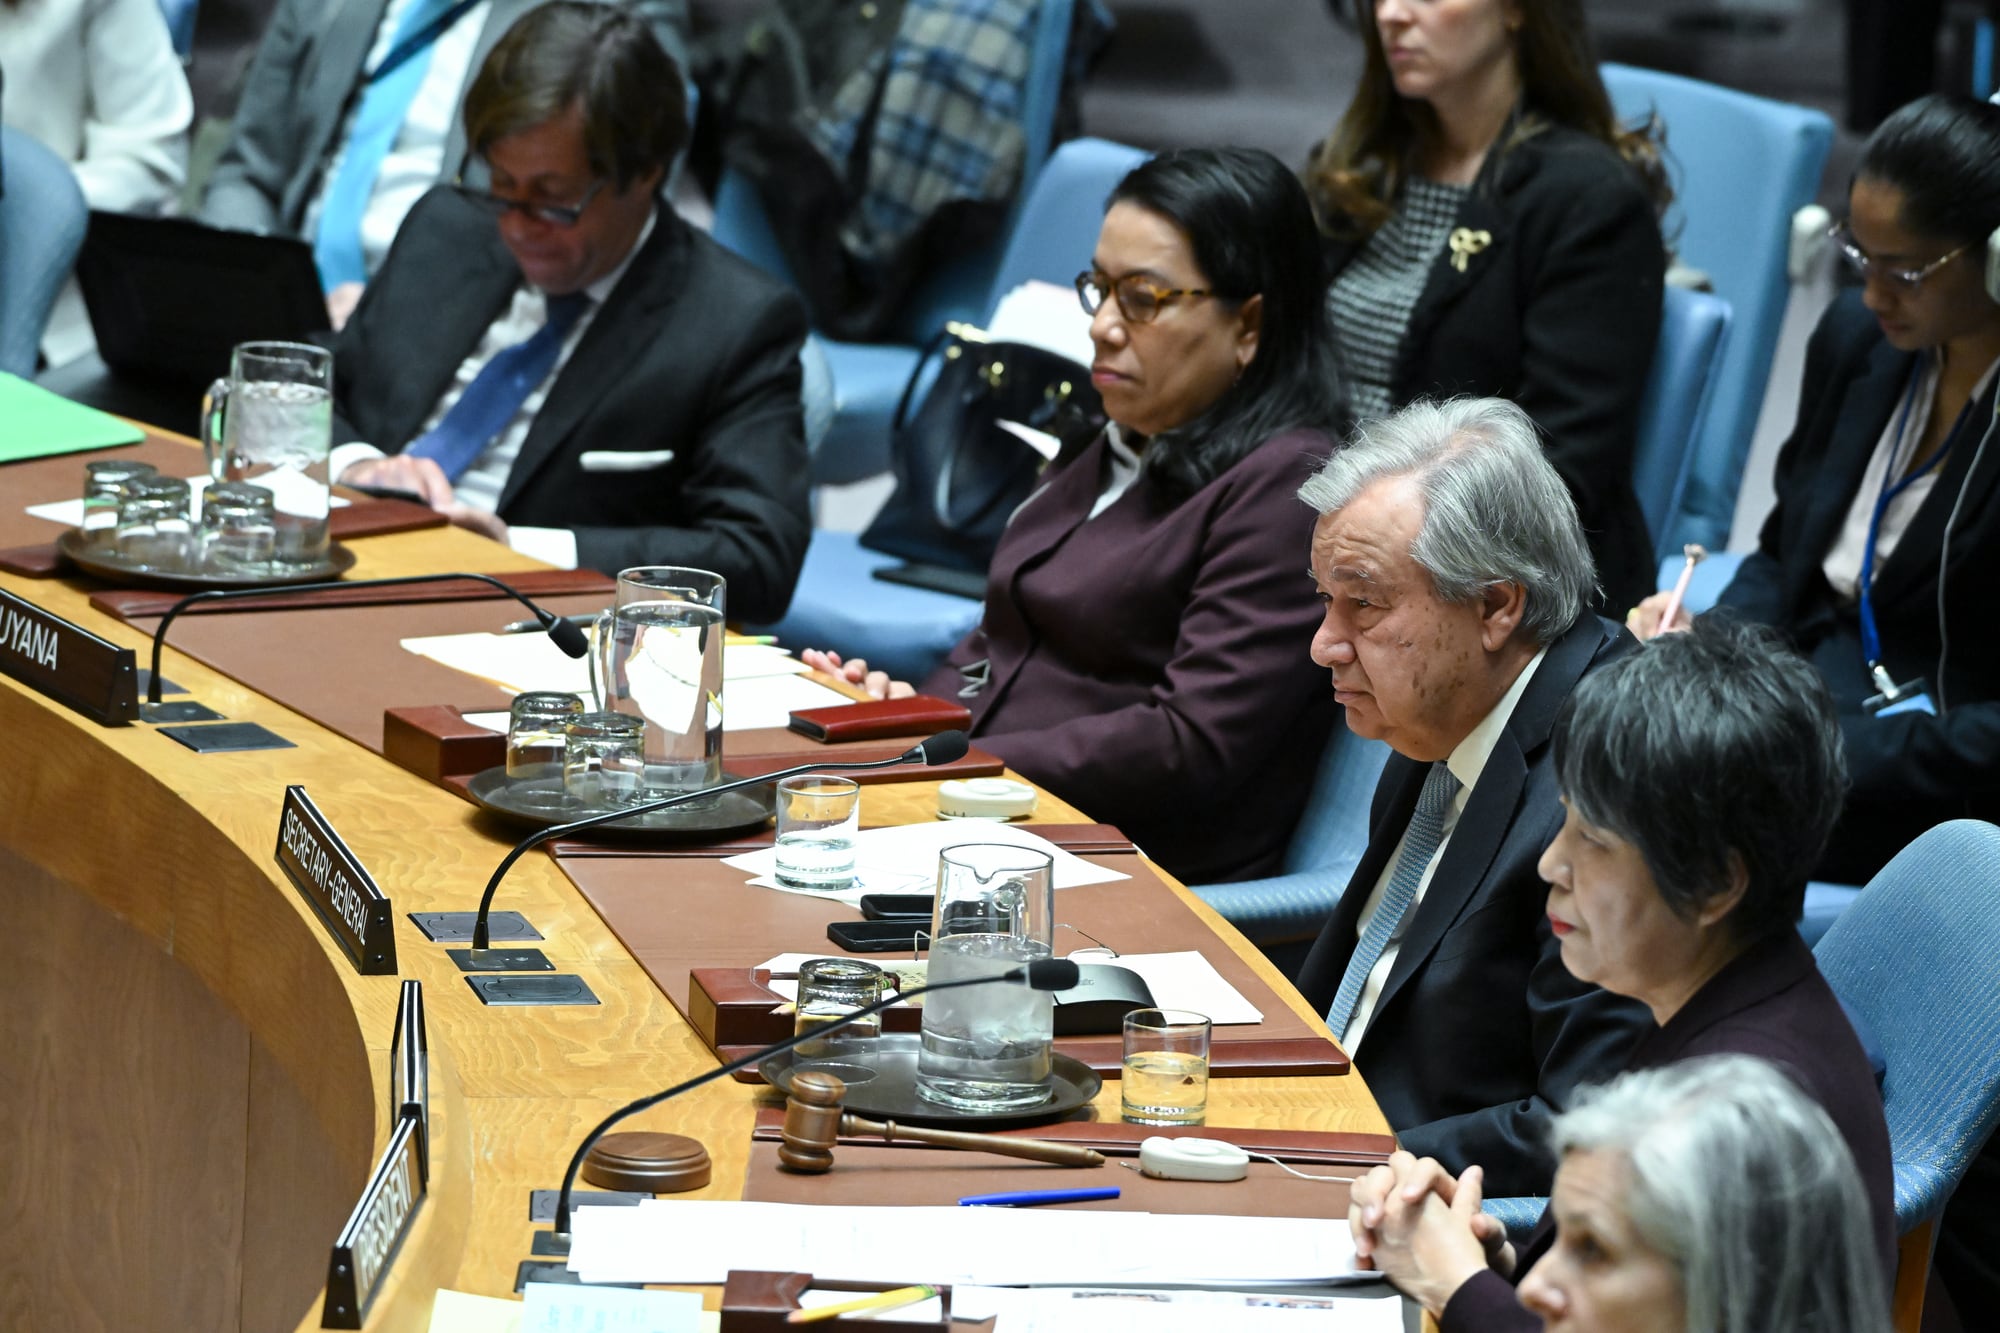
<point x="1702" y="776"/>
<point x="1143" y="649"/>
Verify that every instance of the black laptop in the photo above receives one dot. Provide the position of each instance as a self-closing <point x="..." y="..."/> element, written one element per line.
<point x="169" y="297"/>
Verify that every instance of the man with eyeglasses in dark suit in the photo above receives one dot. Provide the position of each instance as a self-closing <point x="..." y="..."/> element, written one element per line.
<point x="552" y="357"/>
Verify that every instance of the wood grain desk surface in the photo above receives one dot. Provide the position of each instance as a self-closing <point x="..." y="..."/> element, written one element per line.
<point x="512" y="1089"/>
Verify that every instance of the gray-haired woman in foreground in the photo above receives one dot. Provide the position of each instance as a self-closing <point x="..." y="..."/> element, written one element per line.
<point x="1710" y="1196"/>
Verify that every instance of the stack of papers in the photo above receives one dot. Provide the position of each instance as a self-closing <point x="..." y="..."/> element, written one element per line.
<point x="1155" y="1310"/>
<point x="904" y="859"/>
<point x="692" y="1241"/>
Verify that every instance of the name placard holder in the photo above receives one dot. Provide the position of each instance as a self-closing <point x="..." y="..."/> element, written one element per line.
<point x="68" y="663"/>
<point x="342" y="894"/>
<point x="409" y="1068"/>
<point x="374" y="1233"/>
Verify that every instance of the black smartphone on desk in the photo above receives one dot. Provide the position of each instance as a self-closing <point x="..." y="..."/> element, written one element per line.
<point x="897" y="906"/>
<point x="905" y="936"/>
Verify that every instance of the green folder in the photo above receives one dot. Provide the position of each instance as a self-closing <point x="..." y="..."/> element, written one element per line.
<point x="35" y="423"/>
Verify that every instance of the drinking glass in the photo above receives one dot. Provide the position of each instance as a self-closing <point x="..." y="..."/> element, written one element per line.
<point x="1164" y="1080"/>
<point x="832" y="988"/>
<point x="271" y="422"/>
<point x="604" y="760"/>
<point x="153" y="527"/>
<point x="239" y="530"/>
<point x="104" y="485"/>
<point x="537" y="743"/>
<point x="988" y="1048"/>
<point x="659" y="657"/>
<point x="817" y="820"/>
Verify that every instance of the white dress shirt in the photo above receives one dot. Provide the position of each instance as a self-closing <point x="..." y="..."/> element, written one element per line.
<point x="1466" y="761"/>
<point x="481" y="484"/>
<point x="1895" y="449"/>
<point x="415" y="162"/>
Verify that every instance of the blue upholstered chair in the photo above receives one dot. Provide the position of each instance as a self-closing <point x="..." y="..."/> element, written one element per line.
<point x="907" y="631"/>
<point x="42" y="221"/>
<point x="1694" y="334"/>
<point x="868" y="378"/>
<point x="1282" y="915"/>
<point x="1917" y="957"/>
<point x="1741" y="167"/>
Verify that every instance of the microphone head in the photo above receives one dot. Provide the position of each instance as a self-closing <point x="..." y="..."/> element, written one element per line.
<point x="1054" y="974"/>
<point x="568" y="635"/>
<point x="947" y="747"/>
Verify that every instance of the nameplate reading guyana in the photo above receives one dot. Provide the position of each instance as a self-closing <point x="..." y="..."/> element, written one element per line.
<point x="68" y="663"/>
<point x="368" y="1243"/>
<point x="316" y="861"/>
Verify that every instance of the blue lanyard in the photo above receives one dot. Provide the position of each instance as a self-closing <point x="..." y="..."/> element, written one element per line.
<point x="419" y="41"/>
<point x="1871" y="638"/>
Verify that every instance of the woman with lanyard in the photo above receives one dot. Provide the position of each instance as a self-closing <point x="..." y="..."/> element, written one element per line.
<point x="1879" y="557"/>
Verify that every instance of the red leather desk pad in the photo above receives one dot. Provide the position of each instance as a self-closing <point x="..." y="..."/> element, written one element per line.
<point x="27" y="543"/>
<point x="677" y="915"/>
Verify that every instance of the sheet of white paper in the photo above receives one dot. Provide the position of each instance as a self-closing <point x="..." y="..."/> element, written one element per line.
<point x="903" y="858"/>
<point x="69" y="513"/>
<point x="1188" y="981"/>
<point x="461" y="1312"/>
<point x="1175" y="1310"/>
<point x="693" y="1241"/>
<point x="550" y="1307"/>
<point x="761" y="684"/>
<point x="1043" y="314"/>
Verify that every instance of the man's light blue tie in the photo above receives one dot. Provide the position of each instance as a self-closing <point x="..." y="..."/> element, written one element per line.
<point x="385" y="105"/>
<point x="498" y="391"/>
<point x="1420" y="843"/>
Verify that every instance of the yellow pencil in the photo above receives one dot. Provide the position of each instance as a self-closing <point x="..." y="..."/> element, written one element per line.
<point x="887" y="1300"/>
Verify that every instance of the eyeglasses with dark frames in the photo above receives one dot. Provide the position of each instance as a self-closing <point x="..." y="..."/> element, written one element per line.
<point x="1865" y="266"/>
<point x="557" y="215"/>
<point x="1139" y="298"/>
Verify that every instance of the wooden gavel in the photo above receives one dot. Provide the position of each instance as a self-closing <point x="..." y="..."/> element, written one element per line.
<point x="814" y="1123"/>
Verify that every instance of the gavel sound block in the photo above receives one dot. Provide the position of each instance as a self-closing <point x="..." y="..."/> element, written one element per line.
<point x="814" y="1122"/>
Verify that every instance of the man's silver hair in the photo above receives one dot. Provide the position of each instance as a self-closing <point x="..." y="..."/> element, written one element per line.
<point x="1742" y="1182"/>
<point x="1495" y="510"/>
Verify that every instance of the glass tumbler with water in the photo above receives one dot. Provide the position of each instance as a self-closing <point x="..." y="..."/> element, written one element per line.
<point x="830" y="989"/>
<point x="659" y="657"/>
<point x="271" y="422"/>
<point x="817" y="821"/>
<point x="988" y="1048"/>
<point x="602" y="760"/>
<point x="537" y="743"/>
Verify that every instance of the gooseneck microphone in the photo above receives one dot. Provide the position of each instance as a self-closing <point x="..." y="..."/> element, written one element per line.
<point x="567" y="636"/>
<point x="947" y="747"/>
<point x="1044" y="974"/>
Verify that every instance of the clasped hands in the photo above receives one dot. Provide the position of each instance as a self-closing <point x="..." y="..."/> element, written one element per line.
<point x="1421" y="1227"/>
<point x="423" y="477"/>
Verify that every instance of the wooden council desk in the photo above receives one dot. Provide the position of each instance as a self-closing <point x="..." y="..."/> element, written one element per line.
<point x="199" y="1079"/>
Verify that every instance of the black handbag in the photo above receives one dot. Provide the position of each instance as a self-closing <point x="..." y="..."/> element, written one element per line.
<point x="959" y="474"/>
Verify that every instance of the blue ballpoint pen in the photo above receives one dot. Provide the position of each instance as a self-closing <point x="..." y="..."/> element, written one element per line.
<point x="1029" y="1197"/>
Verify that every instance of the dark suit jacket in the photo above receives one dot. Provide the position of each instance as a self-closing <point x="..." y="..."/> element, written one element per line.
<point x="1560" y="314"/>
<point x="1481" y="1031"/>
<point x="1909" y="771"/>
<point x="693" y="351"/>
<point x="1152" y="664"/>
<point x="306" y="71"/>
<point x="1771" y="1002"/>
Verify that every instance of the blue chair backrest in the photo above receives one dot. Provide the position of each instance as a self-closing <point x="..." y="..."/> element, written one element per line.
<point x="1694" y="331"/>
<point x="1918" y="958"/>
<point x="180" y="17"/>
<point x="42" y="221"/>
<point x="1333" y="831"/>
<point x="1056" y="232"/>
<point x="1741" y="166"/>
<point x="956" y="290"/>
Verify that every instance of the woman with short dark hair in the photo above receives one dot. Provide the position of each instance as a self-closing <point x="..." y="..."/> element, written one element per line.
<point x="1493" y="231"/>
<point x="1701" y="777"/>
<point x="1142" y="653"/>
